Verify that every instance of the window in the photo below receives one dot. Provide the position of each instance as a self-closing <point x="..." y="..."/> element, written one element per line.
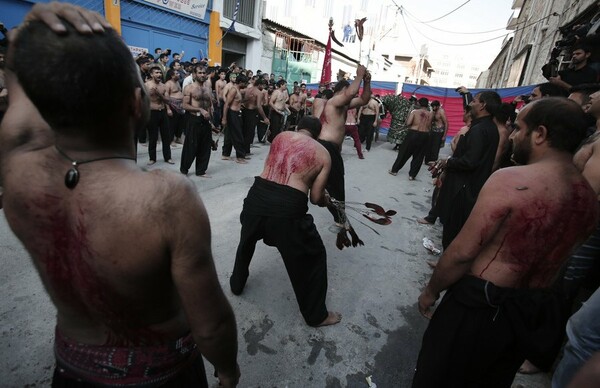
<point x="458" y="75"/>
<point x="245" y="13"/>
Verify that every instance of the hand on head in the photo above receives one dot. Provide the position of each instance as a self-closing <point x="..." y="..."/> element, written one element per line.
<point x="84" y="21"/>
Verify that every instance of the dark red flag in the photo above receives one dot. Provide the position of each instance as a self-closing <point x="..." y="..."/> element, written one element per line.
<point x="326" y="73"/>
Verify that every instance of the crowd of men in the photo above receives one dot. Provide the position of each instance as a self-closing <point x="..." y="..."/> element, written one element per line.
<point x="518" y="202"/>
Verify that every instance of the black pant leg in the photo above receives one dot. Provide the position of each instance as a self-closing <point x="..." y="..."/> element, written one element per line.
<point x="236" y="132"/>
<point x="305" y="260"/>
<point x="404" y="151"/>
<point x="165" y="135"/>
<point x="188" y="153"/>
<point x="203" y="146"/>
<point x="276" y="123"/>
<point x="252" y="231"/>
<point x="250" y="119"/>
<point x="418" y="153"/>
<point x="153" y="127"/>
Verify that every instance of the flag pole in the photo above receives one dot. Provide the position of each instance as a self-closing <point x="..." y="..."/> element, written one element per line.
<point x="235" y="13"/>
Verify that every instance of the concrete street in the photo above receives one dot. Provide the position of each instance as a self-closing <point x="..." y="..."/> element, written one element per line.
<point x="375" y="287"/>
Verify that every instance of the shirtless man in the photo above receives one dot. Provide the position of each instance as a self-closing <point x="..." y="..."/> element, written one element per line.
<point x="367" y="121"/>
<point x="264" y="122"/>
<point x="232" y="122"/>
<point x="175" y="95"/>
<point x="219" y="85"/>
<point x="437" y="133"/>
<point x="275" y="211"/>
<point x="332" y="114"/>
<point x="159" y="116"/>
<point x="303" y="97"/>
<point x="253" y="107"/>
<point x="277" y="103"/>
<point x="498" y="309"/>
<point x="295" y="108"/>
<point x="415" y="143"/>
<point x="131" y="306"/>
<point x="197" y="102"/>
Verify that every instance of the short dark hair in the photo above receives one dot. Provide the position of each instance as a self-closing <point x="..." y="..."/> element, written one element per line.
<point x="424" y="102"/>
<point x="310" y="123"/>
<point x="100" y="62"/>
<point x="551" y="90"/>
<point x="170" y="73"/>
<point x="280" y="82"/>
<point x="582" y="45"/>
<point x="340" y="85"/>
<point x="156" y="50"/>
<point x="327" y="93"/>
<point x="241" y="79"/>
<point x="199" y="66"/>
<point x="504" y="112"/>
<point x="260" y="81"/>
<point x="162" y="55"/>
<point x="172" y="64"/>
<point x="435" y="103"/>
<point x="564" y="120"/>
<point x="491" y="100"/>
<point x="586" y="90"/>
<point x="176" y="54"/>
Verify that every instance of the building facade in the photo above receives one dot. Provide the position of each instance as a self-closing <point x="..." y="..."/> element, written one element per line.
<point x="542" y="30"/>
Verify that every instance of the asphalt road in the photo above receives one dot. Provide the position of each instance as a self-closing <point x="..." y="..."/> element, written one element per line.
<point x="375" y="287"/>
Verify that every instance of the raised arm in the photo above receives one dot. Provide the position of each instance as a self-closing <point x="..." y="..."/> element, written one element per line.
<point x="208" y="312"/>
<point x="345" y="98"/>
<point x="365" y="97"/>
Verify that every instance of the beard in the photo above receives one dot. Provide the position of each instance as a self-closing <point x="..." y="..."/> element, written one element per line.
<point x="521" y="152"/>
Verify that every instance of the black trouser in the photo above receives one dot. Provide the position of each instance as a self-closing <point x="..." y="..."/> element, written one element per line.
<point x="142" y="134"/>
<point x="177" y="124"/>
<point x="276" y="123"/>
<point x="159" y="121"/>
<point x="234" y="135"/>
<point x="261" y="127"/>
<point x="413" y="145"/>
<point x="292" y="119"/>
<point x="250" y="117"/>
<point x="366" y="129"/>
<point x="433" y="212"/>
<point x="197" y="143"/>
<point x="303" y="254"/>
<point x="433" y="146"/>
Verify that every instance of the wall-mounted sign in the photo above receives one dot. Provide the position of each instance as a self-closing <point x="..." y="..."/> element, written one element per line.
<point x="193" y="8"/>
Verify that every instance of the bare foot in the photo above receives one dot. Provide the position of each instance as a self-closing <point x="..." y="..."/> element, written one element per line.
<point x="241" y="161"/>
<point x="331" y="319"/>
<point x="225" y="157"/>
<point x="392" y="173"/>
<point x="432" y="264"/>
<point x="423" y="221"/>
<point x="527" y="368"/>
<point x="204" y="176"/>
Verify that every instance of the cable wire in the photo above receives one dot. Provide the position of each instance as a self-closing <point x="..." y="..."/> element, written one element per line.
<point x="482" y="41"/>
<point x="454" y="10"/>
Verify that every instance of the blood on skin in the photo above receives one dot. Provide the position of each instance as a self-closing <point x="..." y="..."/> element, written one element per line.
<point x="540" y="237"/>
<point x="65" y="262"/>
<point x="289" y="156"/>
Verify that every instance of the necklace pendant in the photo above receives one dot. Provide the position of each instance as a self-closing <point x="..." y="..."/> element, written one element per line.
<point x="72" y="178"/>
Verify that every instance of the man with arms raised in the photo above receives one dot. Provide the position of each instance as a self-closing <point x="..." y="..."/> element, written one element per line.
<point x="128" y="315"/>
<point x="498" y="309"/>
<point x="275" y="211"/>
<point x="332" y="114"/>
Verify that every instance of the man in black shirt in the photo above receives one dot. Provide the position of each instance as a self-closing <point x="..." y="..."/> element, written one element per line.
<point x="579" y="72"/>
